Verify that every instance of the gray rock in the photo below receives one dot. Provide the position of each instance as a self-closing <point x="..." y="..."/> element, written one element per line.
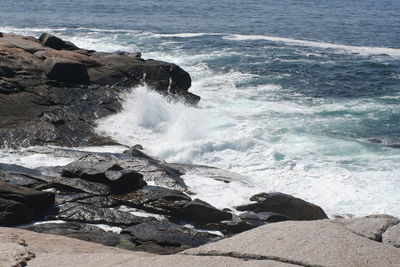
<point x="287" y="205"/>
<point x="392" y="236"/>
<point x="304" y="243"/>
<point x="63" y="251"/>
<point x="370" y="227"/>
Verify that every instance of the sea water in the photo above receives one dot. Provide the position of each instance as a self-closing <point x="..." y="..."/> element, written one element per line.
<point x="300" y="97"/>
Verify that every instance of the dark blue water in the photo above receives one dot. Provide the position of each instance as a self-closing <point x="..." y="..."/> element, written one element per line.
<point x="362" y="22"/>
<point x="300" y="96"/>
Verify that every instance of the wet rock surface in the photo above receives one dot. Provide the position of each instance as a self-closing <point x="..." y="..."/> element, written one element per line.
<point x="105" y="198"/>
<point x="51" y="91"/>
<point x="166" y="237"/>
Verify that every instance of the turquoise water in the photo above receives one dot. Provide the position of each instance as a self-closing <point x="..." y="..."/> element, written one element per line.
<point x="297" y="97"/>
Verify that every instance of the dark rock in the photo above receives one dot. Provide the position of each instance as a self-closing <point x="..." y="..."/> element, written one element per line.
<point x="31" y="198"/>
<point x="202" y="212"/>
<point x="169" y="237"/>
<point x="234" y="226"/>
<point x="56" y="43"/>
<point x="156" y="199"/>
<point x="17" y="168"/>
<point x="179" y="77"/>
<point x="65" y="70"/>
<point x="1" y="34"/>
<point x="69" y="184"/>
<point x="80" y="231"/>
<point x="287" y="205"/>
<point x="64" y="197"/>
<point x="104" y="202"/>
<point x="6" y="72"/>
<point x="120" y="181"/>
<point x="14" y="213"/>
<point x="95" y="214"/>
<point x="270" y="217"/>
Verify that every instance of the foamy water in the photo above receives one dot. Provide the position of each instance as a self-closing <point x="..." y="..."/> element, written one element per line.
<point x="265" y="115"/>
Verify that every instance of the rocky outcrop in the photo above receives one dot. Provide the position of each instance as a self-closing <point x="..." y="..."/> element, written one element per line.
<point x="51" y="91"/>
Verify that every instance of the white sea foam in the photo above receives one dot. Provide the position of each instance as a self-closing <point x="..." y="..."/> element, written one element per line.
<point x="362" y="50"/>
<point x="184" y="34"/>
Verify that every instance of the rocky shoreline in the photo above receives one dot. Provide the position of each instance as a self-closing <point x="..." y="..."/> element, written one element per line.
<point x="63" y="89"/>
<point x="51" y="93"/>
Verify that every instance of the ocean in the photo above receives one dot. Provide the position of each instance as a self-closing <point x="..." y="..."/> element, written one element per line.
<point x="300" y="97"/>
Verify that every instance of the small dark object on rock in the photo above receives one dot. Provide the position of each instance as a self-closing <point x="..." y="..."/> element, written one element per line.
<point x="67" y="71"/>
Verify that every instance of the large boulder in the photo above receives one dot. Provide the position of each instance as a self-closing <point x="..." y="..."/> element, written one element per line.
<point x="287" y="205"/>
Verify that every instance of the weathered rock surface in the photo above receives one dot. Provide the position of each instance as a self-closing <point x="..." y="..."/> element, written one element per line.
<point x="287" y="205"/>
<point x="51" y="92"/>
<point x="369" y="227"/>
<point x="311" y="243"/>
<point x="63" y="251"/>
<point x="14" y="250"/>
<point x="392" y="236"/>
